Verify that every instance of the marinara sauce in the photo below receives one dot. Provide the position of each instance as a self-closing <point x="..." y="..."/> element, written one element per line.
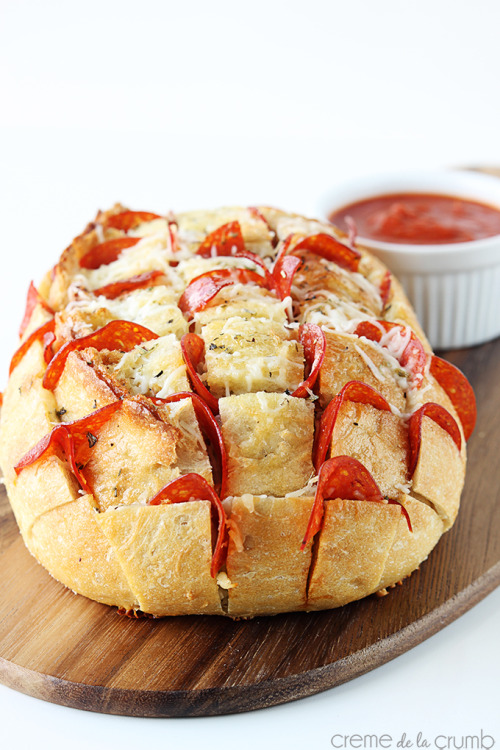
<point x="420" y="219"/>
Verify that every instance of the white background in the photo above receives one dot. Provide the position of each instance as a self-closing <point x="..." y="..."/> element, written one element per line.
<point x="194" y="104"/>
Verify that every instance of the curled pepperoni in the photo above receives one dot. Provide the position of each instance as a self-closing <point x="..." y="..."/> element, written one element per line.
<point x="344" y="478"/>
<point x="352" y="228"/>
<point x="119" y="334"/>
<point x="441" y="417"/>
<point x="283" y="272"/>
<point x="33" y="299"/>
<point x="130" y="219"/>
<point x="73" y="440"/>
<point x="211" y="431"/>
<point x="44" y="334"/>
<point x="192" y="487"/>
<point x="284" y="249"/>
<point x="48" y="339"/>
<point x="413" y="357"/>
<point x="203" y="288"/>
<point x="270" y="281"/>
<point x="354" y="390"/>
<point x="313" y="340"/>
<point x="141" y="281"/>
<point x="257" y="214"/>
<point x="331" y="249"/>
<point x="107" y="252"/>
<point x="226" y="240"/>
<point x="459" y="391"/>
<point x="172" y="233"/>
<point x="193" y="352"/>
<point x="385" y="288"/>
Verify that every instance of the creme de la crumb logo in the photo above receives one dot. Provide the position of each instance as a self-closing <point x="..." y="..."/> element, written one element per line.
<point x="480" y="741"/>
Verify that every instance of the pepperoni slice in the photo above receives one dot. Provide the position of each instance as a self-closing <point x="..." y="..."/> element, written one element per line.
<point x="107" y="252"/>
<point x="74" y="440"/>
<point x="313" y="340"/>
<point x="44" y="334"/>
<point x="33" y="299"/>
<point x="141" y="281"/>
<point x="193" y="352"/>
<point x="441" y="417"/>
<point x="270" y="281"/>
<point x="119" y="334"/>
<point x="354" y="390"/>
<point x="203" y="288"/>
<point x="172" y="232"/>
<point x="344" y="478"/>
<point x="226" y="240"/>
<point x="130" y="219"/>
<point x="283" y="272"/>
<point x="385" y="288"/>
<point x="352" y="228"/>
<point x="331" y="249"/>
<point x="254" y="211"/>
<point x="284" y="249"/>
<point x="413" y="357"/>
<point x="194" y="487"/>
<point x="459" y="391"/>
<point x="211" y="431"/>
<point x="48" y="339"/>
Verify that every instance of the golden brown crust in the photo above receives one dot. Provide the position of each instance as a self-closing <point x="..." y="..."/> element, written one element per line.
<point x="265" y="565"/>
<point x="165" y="552"/>
<point x="352" y="551"/>
<point x="116" y="548"/>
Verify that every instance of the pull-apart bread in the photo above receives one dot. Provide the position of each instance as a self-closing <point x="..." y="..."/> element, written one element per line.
<point x="228" y="412"/>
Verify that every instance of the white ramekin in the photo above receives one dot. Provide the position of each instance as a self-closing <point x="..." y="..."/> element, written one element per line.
<point x="454" y="288"/>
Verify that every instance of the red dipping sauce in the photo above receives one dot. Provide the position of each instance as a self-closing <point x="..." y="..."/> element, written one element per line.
<point x="420" y="219"/>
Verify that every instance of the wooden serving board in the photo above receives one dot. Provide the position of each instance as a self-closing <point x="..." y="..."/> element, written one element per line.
<point x="69" y="650"/>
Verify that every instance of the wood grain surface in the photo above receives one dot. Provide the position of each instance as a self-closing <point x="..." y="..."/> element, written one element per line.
<point x="69" y="650"/>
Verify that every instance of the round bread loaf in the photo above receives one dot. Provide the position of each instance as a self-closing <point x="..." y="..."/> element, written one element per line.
<point x="229" y="412"/>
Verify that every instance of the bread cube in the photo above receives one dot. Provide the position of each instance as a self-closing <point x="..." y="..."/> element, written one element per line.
<point x="410" y="548"/>
<point x="244" y="301"/>
<point x="353" y="546"/>
<point x="440" y="471"/>
<point x="251" y="355"/>
<point x="155" y="368"/>
<point x="165" y="552"/>
<point x="194" y="227"/>
<point x="268" y="438"/>
<point x="80" y="390"/>
<point x="319" y="275"/>
<point x="265" y="563"/>
<point x="349" y="357"/>
<point x="78" y="552"/>
<point x="376" y="438"/>
<point x="136" y="455"/>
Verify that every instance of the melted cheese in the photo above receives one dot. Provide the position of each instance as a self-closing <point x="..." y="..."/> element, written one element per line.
<point x="154" y="308"/>
<point x="150" y="254"/>
<point x="154" y="368"/>
<point x="251" y="355"/>
<point x="197" y="265"/>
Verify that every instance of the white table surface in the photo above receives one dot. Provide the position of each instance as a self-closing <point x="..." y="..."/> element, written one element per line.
<point x="194" y="104"/>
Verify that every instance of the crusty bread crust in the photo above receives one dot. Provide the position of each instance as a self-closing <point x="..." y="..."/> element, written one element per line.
<point x="112" y="545"/>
